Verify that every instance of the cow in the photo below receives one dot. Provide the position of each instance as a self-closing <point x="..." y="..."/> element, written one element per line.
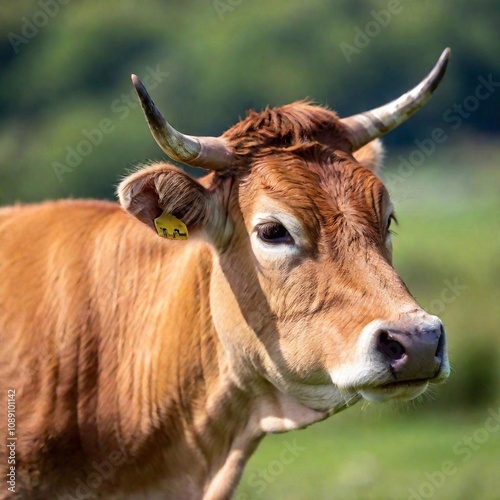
<point x="148" y="346"/>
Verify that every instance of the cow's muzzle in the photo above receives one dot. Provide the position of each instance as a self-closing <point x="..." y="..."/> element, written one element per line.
<point x="397" y="359"/>
<point x="412" y="352"/>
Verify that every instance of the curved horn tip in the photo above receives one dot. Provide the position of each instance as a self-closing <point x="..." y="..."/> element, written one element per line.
<point x="138" y="85"/>
<point x="443" y="61"/>
<point x="437" y="73"/>
<point x="446" y="54"/>
<point x="147" y="103"/>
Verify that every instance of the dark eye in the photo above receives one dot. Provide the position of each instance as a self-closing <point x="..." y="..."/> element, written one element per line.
<point x="392" y="217"/>
<point x="274" y="232"/>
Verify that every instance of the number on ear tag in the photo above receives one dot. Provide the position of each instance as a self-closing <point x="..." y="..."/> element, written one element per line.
<point x="168" y="226"/>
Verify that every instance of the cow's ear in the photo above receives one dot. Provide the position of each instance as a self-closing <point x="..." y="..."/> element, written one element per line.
<point x="371" y="155"/>
<point x="163" y="188"/>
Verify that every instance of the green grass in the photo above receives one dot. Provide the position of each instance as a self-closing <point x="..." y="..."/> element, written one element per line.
<point x="380" y="454"/>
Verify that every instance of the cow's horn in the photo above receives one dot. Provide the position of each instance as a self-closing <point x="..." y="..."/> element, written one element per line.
<point x="371" y="124"/>
<point x="211" y="153"/>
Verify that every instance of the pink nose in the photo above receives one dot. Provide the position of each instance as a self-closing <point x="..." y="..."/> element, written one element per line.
<point x="413" y="353"/>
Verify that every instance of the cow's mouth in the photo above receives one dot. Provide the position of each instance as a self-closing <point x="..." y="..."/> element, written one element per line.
<point x="402" y="391"/>
<point x="406" y="383"/>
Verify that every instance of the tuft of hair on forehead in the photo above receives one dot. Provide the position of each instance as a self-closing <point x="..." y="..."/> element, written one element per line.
<point x="301" y="122"/>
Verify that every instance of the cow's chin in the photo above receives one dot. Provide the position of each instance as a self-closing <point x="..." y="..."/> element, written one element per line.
<point x="401" y="391"/>
<point x="322" y="397"/>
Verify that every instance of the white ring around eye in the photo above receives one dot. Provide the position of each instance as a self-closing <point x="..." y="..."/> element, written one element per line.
<point x="267" y="250"/>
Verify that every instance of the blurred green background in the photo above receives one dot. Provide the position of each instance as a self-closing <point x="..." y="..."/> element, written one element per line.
<point x="64" y="79"/>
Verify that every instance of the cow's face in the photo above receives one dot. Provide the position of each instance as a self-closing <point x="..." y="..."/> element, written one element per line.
<point x="302" y="292"/>
<point x="308" y="296"/>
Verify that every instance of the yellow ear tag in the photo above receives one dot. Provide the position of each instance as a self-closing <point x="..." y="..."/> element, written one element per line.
<point x="168" y="226"/>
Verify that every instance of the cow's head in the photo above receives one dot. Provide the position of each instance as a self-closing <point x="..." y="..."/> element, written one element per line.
<point x="303" y="291"/>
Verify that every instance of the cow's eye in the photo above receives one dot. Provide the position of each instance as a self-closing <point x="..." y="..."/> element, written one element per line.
<point x="274" y="232"/>
<point x="392" y="217"/>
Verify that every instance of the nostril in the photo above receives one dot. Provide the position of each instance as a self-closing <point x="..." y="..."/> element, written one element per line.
<point x="390" y="347"/>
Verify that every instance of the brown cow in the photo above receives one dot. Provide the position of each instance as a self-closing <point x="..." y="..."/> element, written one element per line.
<point x="141" y="367"/>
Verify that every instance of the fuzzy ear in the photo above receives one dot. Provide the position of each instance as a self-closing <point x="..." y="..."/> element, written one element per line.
<point x="148" y="193"/>
<point x="371" y="155"/>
